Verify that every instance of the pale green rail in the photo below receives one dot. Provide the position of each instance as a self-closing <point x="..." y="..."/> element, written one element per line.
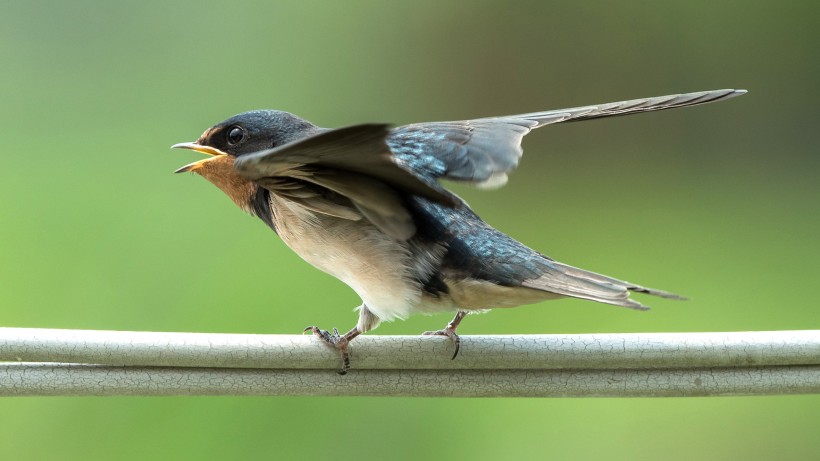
<point x="89" y="362"/>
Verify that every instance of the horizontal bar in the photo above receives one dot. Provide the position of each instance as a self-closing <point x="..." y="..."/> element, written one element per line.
<point x="507" y="352"/>
<point x="82" y="362"/>
<point x="44" y="379"/>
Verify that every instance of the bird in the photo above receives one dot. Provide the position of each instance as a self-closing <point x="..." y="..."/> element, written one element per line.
<point x="364" y="203"/>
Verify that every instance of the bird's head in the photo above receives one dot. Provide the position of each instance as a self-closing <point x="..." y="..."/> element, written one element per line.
<point x="245" y="133"/>
<point x="239" y="135"/>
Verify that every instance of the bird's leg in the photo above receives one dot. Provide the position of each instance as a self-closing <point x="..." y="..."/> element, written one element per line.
<point x="450" y="331"/>
<point x="367" y="321"/>
<point x="338" y="341"/>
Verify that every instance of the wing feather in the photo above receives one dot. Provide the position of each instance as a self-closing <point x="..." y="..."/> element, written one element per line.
<point x="354" y="163"/>
<point x="484" y="151"/>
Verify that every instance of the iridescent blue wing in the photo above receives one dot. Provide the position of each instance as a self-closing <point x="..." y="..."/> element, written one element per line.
<point x="484" y="151"/>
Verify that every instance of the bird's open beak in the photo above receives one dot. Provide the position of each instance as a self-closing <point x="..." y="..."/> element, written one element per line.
<point x="214" y="153"/>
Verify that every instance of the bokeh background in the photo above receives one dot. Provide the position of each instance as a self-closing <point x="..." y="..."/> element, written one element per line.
<point x="718" y="202"/>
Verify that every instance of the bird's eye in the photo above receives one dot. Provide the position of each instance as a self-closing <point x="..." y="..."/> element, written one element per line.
<point x="235" y="135"/>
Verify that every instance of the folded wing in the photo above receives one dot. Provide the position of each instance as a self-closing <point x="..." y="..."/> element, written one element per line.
<point x="348" y="173"/>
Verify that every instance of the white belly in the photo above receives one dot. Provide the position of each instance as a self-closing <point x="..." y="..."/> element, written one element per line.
<point x="380" y="269"/>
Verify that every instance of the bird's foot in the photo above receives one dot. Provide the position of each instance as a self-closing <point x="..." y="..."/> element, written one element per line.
<point x="340" y="342"/>
<point x="450" y="333"/>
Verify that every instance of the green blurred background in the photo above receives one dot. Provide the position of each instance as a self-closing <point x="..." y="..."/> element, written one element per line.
<point x="718" y="202"/>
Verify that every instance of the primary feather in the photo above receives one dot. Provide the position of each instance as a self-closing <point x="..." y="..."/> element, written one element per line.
<point x="484" y="151"/>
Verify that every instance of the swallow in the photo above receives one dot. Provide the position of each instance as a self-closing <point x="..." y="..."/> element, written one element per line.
<point x="364" y="204"/>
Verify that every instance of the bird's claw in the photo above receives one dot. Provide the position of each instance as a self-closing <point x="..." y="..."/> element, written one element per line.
<point x="450" y="333"/>
<point x="334" y="339"/>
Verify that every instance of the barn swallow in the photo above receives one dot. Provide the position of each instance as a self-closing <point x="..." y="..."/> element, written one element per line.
<point x="363" y="204"/>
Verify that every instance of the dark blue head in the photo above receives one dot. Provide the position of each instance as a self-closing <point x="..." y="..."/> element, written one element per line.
<point x="254" y="131"/>
<point x="239" y="135"/>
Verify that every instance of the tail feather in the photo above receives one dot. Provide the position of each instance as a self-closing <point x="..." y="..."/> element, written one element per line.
<point x="578" y="283"/>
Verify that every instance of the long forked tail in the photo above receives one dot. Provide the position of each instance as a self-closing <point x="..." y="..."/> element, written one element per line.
<point x="566" y="280"/>
<point x="633" y="106"/>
